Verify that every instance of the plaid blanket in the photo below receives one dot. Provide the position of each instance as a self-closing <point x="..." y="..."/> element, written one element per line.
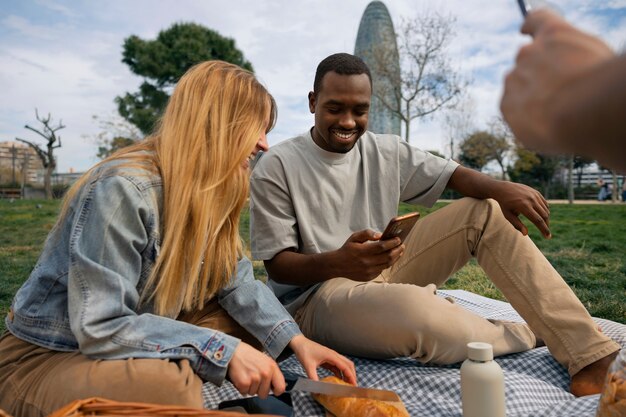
<point x="536" y="385"/>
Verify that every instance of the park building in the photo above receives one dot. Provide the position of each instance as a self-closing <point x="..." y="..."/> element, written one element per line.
<point x="19" y="164"/>
<point x="588" y="175"/>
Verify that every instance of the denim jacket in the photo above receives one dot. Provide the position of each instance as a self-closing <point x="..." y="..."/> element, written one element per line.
<point x="83" y="293"/>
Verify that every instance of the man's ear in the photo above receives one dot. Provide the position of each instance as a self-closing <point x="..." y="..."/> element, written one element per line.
<point x="311" y="101"/>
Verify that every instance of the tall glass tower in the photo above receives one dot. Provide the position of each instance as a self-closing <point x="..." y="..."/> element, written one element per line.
<point x="375" y="42"/>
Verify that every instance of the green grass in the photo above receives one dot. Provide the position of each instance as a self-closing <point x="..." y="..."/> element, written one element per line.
<point x="588" y="248"/>
<point x="23" y="229"/>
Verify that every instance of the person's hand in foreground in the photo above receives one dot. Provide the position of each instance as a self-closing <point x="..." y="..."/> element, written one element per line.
<point x="559" y="55"/>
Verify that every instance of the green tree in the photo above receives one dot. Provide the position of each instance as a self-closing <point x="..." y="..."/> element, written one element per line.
<point x="163" y="61"/>
<point x="533" y="169"/>
<point x="110" y="146"/>
<point x="501" y="145"/>
<point x="580" y="162"/>
<point x="482" y="147"/>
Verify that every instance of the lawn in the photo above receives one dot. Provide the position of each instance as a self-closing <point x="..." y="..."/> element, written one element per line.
<point x="588" y="248"/>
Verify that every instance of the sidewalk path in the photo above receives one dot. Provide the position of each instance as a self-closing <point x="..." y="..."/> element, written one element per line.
<point x="584" y="202"/>
<point x="609" y="202"/>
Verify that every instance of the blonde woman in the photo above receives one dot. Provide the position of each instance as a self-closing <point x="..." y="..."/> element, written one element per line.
<point x="141" y="292"/>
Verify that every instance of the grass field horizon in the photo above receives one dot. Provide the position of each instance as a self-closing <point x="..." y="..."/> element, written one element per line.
<point x="587" y="248"/>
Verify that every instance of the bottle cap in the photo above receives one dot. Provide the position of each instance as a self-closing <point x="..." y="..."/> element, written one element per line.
<point x="478" y="351"/>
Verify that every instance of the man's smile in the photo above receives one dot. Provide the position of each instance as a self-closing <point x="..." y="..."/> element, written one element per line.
<point x="344" y="134"/>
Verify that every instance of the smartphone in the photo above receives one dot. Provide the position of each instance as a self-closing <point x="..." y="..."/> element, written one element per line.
<point x="525" y="6"/>
<point x="400" y="226"/>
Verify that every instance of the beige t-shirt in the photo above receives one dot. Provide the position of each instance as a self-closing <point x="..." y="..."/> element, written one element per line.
<point x="310" y="200"/>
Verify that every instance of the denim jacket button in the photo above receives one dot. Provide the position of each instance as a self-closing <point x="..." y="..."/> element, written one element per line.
<point x="218" y="355"/>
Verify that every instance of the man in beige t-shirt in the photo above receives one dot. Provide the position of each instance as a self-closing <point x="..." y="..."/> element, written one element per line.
<point x="319" y="201"/>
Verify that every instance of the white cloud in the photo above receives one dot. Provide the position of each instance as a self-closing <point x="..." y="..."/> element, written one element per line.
<point x="611" y="4"/>
<point x="55" y="6"/>
<point x="26" y="28"/>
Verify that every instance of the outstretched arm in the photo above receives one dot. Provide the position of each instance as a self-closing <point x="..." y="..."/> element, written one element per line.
<point x="514" y="199"/>
<point x="361" y="258"/>
<point x="567" y="92"/>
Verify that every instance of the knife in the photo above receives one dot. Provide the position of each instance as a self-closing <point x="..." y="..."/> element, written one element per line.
<point x="328" y="388"/>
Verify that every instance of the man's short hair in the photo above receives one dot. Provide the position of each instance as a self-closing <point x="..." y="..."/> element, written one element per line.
<point x="343" y="64"/>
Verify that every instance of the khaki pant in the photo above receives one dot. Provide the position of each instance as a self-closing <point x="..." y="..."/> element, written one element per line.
<point x="35" y="381"/>
<point x="399" y="315"/>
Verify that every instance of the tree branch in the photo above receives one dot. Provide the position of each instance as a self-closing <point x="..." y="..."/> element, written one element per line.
<point x="43" y="155"/>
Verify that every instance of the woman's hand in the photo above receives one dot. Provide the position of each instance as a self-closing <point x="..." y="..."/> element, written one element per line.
<point x="253" y="372"/>
<point x="311" y="355"/>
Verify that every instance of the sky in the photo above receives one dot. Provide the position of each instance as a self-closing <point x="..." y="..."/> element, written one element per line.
<point x="64" y="57"/>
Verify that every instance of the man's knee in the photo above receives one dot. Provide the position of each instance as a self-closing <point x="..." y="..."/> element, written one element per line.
<point x="418" y="311"/>
<point x="428" y="325"/>
<point x="482" y="212"/>
<point x="476" y="205"/>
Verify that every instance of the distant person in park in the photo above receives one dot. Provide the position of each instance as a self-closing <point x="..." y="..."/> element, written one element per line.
<point x="567" y="93"/>
<point x="604" y="193"/>
<point x="319" y="201"/>
<point x="142" y="292"/>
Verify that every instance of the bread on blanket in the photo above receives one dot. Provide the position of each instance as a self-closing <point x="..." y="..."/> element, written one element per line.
<point x="352" y="406"/>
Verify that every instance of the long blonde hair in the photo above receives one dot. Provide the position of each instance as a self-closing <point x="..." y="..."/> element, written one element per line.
<point x="212" y="122"/>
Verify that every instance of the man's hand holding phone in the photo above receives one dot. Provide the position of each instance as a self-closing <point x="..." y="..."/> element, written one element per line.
<point x="367" y="253"/>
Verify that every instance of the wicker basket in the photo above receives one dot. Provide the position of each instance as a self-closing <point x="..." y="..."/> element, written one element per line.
<point x="108" y="408"/>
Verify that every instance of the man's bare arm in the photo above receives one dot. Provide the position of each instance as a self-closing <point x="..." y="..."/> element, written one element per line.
<point x="514" y="199"/>
<point x="361" y="258"/>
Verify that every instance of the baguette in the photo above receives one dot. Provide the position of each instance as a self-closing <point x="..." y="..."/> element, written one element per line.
<point x="361" y="407"/>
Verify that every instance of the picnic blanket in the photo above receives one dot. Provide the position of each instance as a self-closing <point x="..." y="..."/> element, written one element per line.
<point x="536" y="385"/>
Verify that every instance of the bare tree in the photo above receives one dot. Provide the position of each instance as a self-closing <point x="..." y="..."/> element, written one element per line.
<point x="49" y="133"/>
<point x="570" y="179"/>
<point x="458" y="123"/>
<point x="115" y="134"/>
<point x="615" y="191"/>
<point x="426" y="82"/>
<point x="24" y="168"/>
<point x="502" y="144"/>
